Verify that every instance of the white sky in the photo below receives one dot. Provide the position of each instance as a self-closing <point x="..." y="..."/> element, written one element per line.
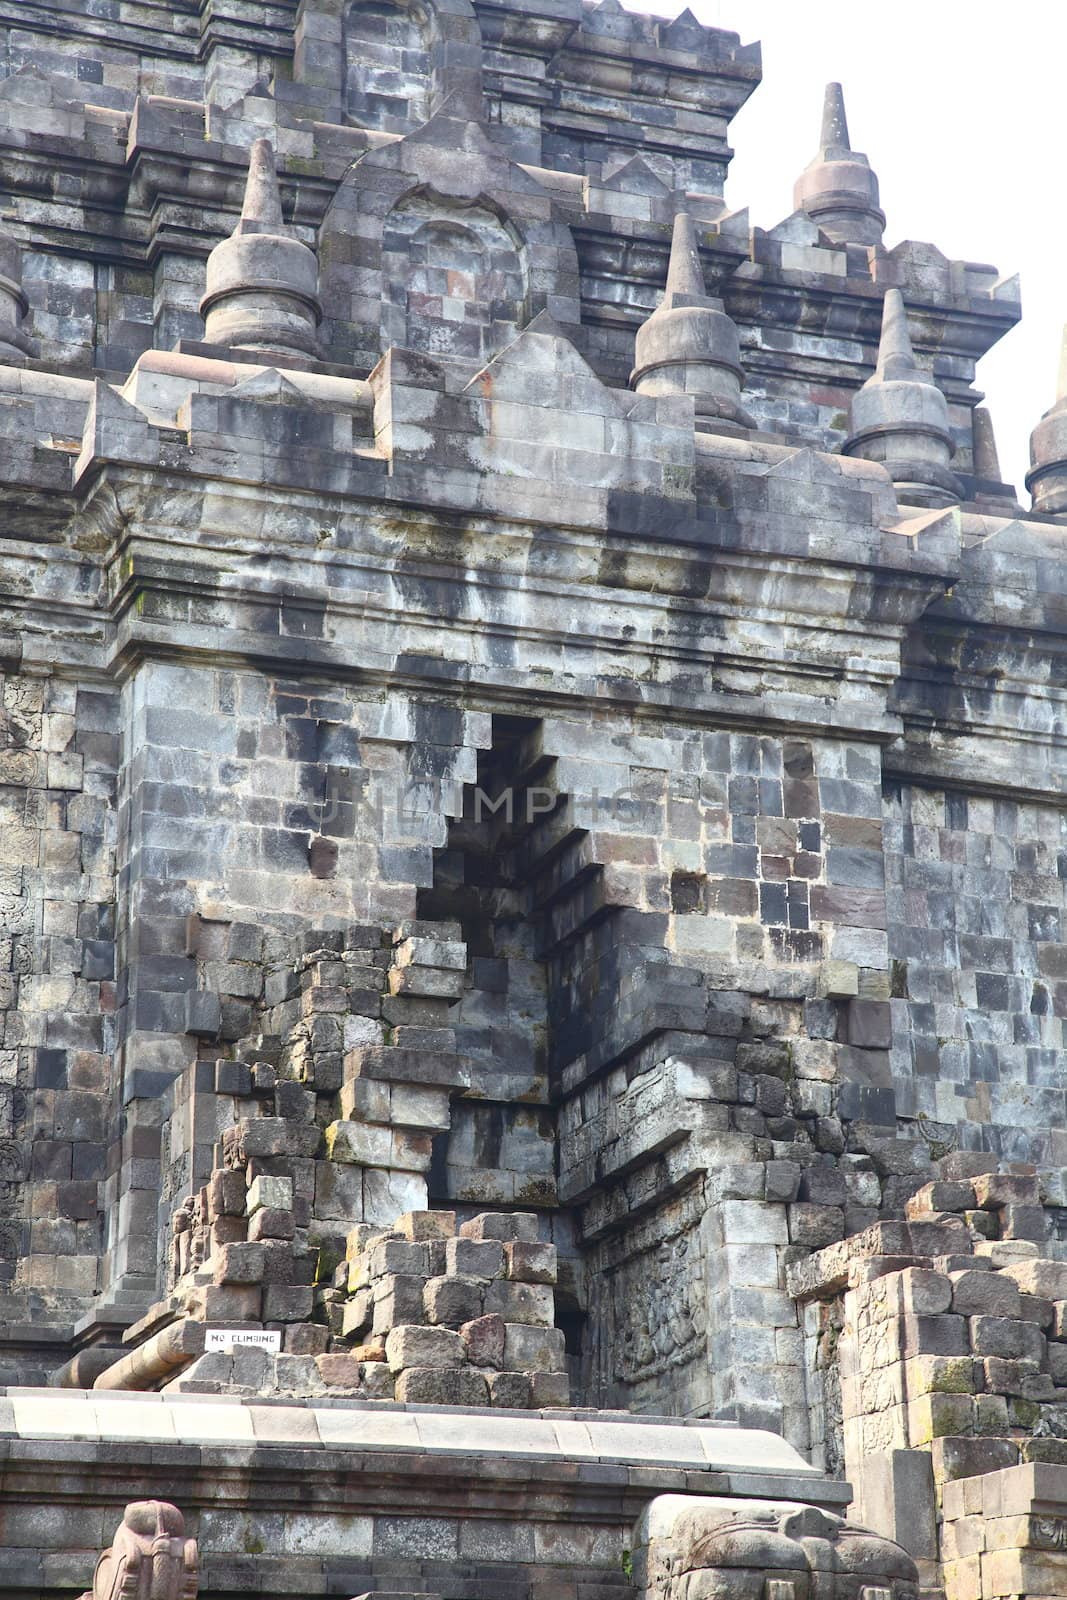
<point x="959" y="106"/>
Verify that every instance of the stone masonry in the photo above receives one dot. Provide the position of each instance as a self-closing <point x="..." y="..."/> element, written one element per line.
<point x="533" y="833"/>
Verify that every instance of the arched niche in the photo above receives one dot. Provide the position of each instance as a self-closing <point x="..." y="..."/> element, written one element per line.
<point x="454" y="279"/>
<point x="389" y="62"/>
<point x="486" y="220"/>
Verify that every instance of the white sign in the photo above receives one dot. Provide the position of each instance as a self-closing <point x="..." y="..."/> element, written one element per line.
<point x="230" y="1338"/>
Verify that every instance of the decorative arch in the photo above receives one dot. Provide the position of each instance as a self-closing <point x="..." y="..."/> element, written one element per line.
<point x="438" y="242"/>
<point x="454" y="278"/>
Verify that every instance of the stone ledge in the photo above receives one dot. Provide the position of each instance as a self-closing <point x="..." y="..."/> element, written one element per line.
<point x="574" y="1436"/>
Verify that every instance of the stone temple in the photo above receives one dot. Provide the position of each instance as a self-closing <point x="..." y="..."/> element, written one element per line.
<point x="533" y="834"/>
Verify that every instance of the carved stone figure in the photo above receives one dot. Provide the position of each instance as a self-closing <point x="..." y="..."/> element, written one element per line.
<point x="765" y="1550"/>
<point x="150" y="1558"/>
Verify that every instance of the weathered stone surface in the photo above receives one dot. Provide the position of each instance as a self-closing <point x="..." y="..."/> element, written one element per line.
<point x="150" y="1559"/>
<point x="516" y="869"/>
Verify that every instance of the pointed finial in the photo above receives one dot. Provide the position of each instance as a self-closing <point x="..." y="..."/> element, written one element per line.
<point x="837" y="189"/>
<point x="262" y="290"/>
<point x="900" y="418"/>
<point x="689" y="344"/>
<point x="834" y="121"/>
<point x="1047" y="478"/>
<point x="262" y="208"/>
<point x="984" y="450"/>
<point x="896" y="357"/>
<point x="685" y="275"/>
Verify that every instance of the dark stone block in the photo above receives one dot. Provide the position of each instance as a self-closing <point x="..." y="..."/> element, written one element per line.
<point x="51" y="1070"/>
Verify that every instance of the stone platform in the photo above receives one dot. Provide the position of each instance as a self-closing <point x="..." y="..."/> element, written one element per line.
<point x="303" y="1498"/>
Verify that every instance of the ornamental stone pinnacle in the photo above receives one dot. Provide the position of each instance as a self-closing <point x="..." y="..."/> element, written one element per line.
<point x="1047" y="478"/>
<point x="900" y="418"/>
<point x="689" y="345"/>
<point x="262" y="283"/>
<point x="837" y="189"/>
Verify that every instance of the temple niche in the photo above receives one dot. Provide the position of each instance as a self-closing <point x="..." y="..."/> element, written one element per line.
<point x="453" y="280"/>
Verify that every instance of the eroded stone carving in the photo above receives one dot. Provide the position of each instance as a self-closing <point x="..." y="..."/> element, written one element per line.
<point x="150" y="1558"/>
<point x="764" y="1550"/>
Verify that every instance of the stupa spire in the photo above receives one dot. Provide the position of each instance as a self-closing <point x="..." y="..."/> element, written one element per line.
<point x="689" y="344"/>
<point x="837" y="189"/>
<point x="261" y="211"/>
<point x="900" y="418"/>
<point x="262" y="282"/>
<point x="834" y="121"/>
<point x="896" y="354"/>
<point x="685" y="276"/>
<point x="1047" y="478"/>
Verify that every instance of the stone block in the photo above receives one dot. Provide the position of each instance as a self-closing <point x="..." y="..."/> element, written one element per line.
<point x="532" y="1349"/>
<point x="823" y="1185"/>
<point x="484" y="1341"/>
<point x="228" y="1230"/>
<point x="924" y="1293"/>
<point x="896" y="1499"/>
<point x="421" y="1226"/>
<point x="432" y="982"/>
<point x="530" y="1263"/>
<point x="532" y="1303"/>
<point x="339" y="1371"/>
<point x="357" y="1314"/>
<point x="439" y="1386"/>
<point x="502" y="1225"/>
<point x="229" y="1303"/>
<point x="397" y="1256"/>
<point x="452" y="1301"/>
<point x="473" y="1258"/>
<point x="781" y="1180"/>
<point x="1023" y="1222"/>
<point x="839" y="979"/>
<point x="1037" y="1310"/>
<point x="937" y="1416"/>
<point x="305" y="1339"/>
<point x="271" y="1225"/>
<point x="935" y="1336"/>
<point x="550" y="1390"/>
<point x="226" y="1194"/>
<point x="238" y="1264"/>
<point x="265" y="1192"/>
<point x="423" y="1347"/>
<point x="359" y="1143"/>
<point x="398" y="1300"/>
<point x="813" y="1226"/>
<point x="938" y="1375"/>
<point x="963" y="1457"/>
<point x="1047" y="1279"/>
<point x="993" y="1190"/>
<point x="940" y="1196"/>
<point x="287" y="1302"/>
<point x="978" y="1294"/>
<point x="1010" y="1337"/>
<point x="511" y="1389"/>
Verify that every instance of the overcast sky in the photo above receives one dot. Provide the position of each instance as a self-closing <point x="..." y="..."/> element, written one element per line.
<point x="959" y="105"/>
